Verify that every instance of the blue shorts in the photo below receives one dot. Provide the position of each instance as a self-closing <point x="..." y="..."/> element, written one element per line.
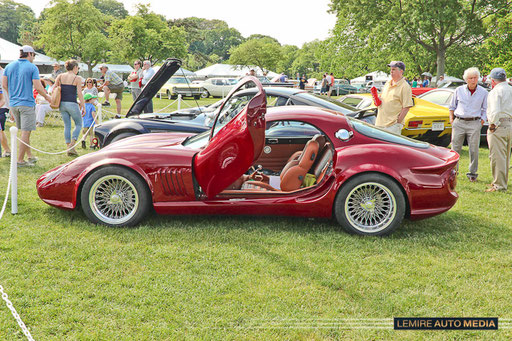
<point x="3" y="117"/>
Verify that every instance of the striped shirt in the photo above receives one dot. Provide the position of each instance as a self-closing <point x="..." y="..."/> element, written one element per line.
<point x="113" y="78"/>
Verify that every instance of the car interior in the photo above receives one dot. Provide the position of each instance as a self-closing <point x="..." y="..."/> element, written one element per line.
<point x="287" y="163"/>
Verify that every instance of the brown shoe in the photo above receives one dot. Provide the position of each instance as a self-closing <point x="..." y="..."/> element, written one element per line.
<point x="492" y="189"/>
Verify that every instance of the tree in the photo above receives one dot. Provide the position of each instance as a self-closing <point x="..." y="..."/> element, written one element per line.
<point x="289" y="53"/>
<point x="307" y="59"/>
<point x="437" y="26"/>
<point x="208" y="39"/>
<point x="264" y="53"/>
<point x="112" y="8"/>
<point x="497" y="47"/>
<point x="146" y="36"/>
<point x="13" y="17"/>
<point x="72" y="29"/>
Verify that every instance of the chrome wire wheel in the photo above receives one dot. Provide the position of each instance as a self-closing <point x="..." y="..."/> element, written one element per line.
<point x="113" y="199"/>
<point x="370" y="207"/>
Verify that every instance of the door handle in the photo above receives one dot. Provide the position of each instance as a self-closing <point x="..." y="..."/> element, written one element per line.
<point x="272" y="141"/>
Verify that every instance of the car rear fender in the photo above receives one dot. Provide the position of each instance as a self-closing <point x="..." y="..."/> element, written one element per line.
<point x="104" y="163"/>
<point x="349" y="164"/>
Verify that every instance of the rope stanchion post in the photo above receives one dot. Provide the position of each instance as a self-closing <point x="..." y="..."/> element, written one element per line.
<point x="100" y="113"/>
<point x="179" y="102"/>
<point x="14" y="170"/>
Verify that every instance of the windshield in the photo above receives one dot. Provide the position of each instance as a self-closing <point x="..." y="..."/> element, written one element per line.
<point x="177" y="80"/>
<point x="232" y="108"/>
<point x="325" y="102"/>
<point x="379" y="134"/>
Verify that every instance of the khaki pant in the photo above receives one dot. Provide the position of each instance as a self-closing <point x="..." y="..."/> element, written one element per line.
<point x="500" y="144"/>
<point x="395" y="128"/>
<point x="470" y="130"/>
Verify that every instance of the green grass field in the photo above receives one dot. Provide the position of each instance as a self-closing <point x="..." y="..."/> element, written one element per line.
<point x="248" y="278"/>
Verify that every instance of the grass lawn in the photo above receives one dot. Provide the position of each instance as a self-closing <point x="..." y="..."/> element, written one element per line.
<point x="248" y="278"/>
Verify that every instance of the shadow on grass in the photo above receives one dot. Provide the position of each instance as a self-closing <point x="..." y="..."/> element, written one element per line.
<point x="441" y="231"/>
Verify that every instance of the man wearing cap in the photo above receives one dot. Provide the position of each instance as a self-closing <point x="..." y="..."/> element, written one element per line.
<point x="396" y="100"/>
<point x="56" y="70"/>
<point x="113" y="83"/>
<point x="499" y="134"/>
<point x="18" y="79"/>
<point x="467" y="116"/>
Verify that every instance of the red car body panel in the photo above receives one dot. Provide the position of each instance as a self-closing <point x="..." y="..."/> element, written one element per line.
<point x="426" y="175"/>
<point x="419" y="91"/>
<point x="234" y="148"/>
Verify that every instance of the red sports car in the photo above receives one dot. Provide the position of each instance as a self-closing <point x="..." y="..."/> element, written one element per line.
<point x="296" y="161"/>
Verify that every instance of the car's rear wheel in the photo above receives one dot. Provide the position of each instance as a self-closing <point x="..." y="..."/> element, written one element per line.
<point x="444" y="141"/>
<point x="123" y="136"/>
<point x="205" y="94"/>
<point x="370" y="204"/>
<point x="115" y="196"/>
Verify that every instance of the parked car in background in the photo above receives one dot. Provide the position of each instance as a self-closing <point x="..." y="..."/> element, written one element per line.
<point x="200" y="118"/>
<point x="425" y="121"/>
<point x="292" y="161"/>
<point x="180" y="86"/>
<point x="341" y="87"/>
<point x="218" y="87"/>
<point x="443" y="97"/>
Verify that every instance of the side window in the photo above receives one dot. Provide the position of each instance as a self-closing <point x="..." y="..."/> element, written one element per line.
<point x="438" y="97"/>
<point x="290" y="129"/>
<point x="352" y="101"/>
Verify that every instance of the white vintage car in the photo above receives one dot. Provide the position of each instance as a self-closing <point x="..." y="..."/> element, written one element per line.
<point x="218" y="87"/>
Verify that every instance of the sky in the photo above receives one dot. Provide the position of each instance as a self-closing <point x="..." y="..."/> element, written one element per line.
<point x="292" y="22"/>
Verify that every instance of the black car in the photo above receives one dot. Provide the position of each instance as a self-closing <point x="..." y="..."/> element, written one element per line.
<point x="196" y="120"/>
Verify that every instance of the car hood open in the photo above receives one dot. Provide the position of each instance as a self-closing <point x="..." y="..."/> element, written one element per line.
<point x="163" y="74"/>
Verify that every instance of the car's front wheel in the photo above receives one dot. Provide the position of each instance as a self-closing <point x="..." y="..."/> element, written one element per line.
<point x="370" y="204"/>
<point x="115" y="196"/>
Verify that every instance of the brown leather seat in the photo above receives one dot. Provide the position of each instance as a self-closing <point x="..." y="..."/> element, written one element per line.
<point x="293" y="173"/>
<point x="322" y="162"/>
<point x="318" y="138"/>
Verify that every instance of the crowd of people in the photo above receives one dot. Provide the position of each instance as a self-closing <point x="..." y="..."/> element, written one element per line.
<point x="470" y="107"/>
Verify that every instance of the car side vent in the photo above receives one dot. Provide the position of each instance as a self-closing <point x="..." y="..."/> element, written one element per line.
<point x="172" y="181"/>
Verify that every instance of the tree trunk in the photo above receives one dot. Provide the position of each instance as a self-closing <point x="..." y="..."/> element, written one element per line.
<point x="89" y="70"/>
<point x="441" y="60"/>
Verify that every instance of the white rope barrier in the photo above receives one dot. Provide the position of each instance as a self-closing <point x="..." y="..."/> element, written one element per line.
<point x="57" y="153"/>
<point x="14" y="203"/>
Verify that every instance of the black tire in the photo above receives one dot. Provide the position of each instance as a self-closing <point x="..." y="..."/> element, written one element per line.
<point x="205" y="94"/>
<point x="197" y="96"/>
<point x="372" y="220"/>
<point x="444" y="141"/>
<point x="129" y="192"/>
<point x="123" y="136"/>
<point x="169" y="96"/>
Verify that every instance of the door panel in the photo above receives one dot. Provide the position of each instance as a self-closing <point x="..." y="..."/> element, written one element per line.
<point x="236" y="140"/>
<point x="277" y="151"/>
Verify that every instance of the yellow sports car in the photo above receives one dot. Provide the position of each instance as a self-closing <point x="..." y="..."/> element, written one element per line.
<point x="425" y="121"/>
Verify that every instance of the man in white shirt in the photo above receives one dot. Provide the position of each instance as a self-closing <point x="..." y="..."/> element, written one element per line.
<point x="499" y="134"/>
<point x="147" y="74"/>
<point x="467" y="116"/>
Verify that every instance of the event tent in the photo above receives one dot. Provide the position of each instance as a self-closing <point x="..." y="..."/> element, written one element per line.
<point x="227" y="70"/>
<point x="375" y="76"/>
<point x="10" y="51"/>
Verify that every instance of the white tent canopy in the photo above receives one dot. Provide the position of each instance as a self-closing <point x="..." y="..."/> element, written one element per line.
<point x="10" y="52"/>
<point x="227" y="70"/>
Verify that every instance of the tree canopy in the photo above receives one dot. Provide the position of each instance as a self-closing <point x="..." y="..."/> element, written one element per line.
<point x="265" y="53"/>
<point x="13" y="17"/>
<point x="72" y="29"/>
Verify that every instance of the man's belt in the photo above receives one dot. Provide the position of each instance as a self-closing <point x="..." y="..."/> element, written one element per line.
<point x="468" y="118"/>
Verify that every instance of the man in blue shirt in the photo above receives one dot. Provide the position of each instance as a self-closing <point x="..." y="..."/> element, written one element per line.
<point x="17" y="81"/>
